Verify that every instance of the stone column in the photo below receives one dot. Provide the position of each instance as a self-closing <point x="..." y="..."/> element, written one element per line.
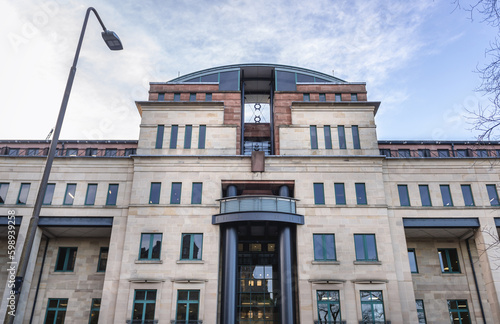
<point x="230" y="275"/>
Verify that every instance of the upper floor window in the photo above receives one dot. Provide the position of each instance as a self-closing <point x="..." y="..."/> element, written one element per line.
<point x="366" y="248"/>
<point x="459" y="311"/>
<point x="425" y="196"/>
<point x="421" y="311"/>
<point x="355" y="137"/>
<point x="443" y="153"/>
<point x="328" y="302"/>
<point x="187" y="136"/>
<point x="173" y="136"/>
<point x="339" y="194"/>
<point x="386" y="152"/>
<point x="360" y="193"/>
<point x="338" y="97"/>
<point x="192" y="97"/>
<point x="324" y="247"/>
<point x="159" y="136"/>
<point x="448" y="259"/>
<point x="103" y="259"/>
<point x="372" y="306"/>
<point x="412" y="257"/>
<point x="69" y="197"/>
<point x="175" y="195"/>
<point x="307" y="97"/>
<point x="467" y="194"/>
<point x="13" y="151"/>
<point x="208" y="97"/>
<point x="150" y="246"/>
<point x="177" y="97"/>
<point x="492" y="194"/>
<point x="328" y="137"/>
<point x="144" y="306"/>
<point x="404" y="153"/>
<point x="404" y="198"/>
<point x="72" y="152"/>
<point x="191" y="246"/>
<point x="463" y="153"/>
<point x="66" y="259"/>
<point x="91" y="194"/>
<point x="49" y="193"/>
<point x="4" y="188"/>
<point x="424" y="153"/>
<point x="314" y="137"/>
<point x="161" y="96"/>
<point x="201" y="137"/>
<point x="482" y="153"/>
<point x="91" y="152"/>
<point x="32" y="152"/>
<point x="154" y="194"/>
<point x="56" y="310"/>
<point x="110" y="152"/>
<point x="196" y="193"/>
<point x="341" y="131"/>
<point x="322" y="97"/>
<point x="354" y="97"/>
<point x="446" y="194"/>
<point x="112" y="194"/>
<point x="319" y="194"/>
<point x="23" y="193"/>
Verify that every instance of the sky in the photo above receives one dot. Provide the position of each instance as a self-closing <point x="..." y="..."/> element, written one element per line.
<point x="417" y="58"/>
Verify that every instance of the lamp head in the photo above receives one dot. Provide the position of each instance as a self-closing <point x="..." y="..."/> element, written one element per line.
<point x="112" y="40"/>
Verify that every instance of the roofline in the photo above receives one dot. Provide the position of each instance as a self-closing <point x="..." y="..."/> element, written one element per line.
<point x="70" y="141"/>
<point x="429" y="142"/>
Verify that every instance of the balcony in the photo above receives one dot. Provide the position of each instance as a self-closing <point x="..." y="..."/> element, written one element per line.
<point x="258" y="208"/>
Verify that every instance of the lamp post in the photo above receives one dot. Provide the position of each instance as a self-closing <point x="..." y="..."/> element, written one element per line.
<point x="114" y="43"/>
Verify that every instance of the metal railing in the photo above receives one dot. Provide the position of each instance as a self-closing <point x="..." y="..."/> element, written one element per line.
<point x="257" y="203"/>
<point x="374" y="322"/>
<point x="441" y="153"/>
<point x="142" y="321"/>
<point x="329" y="322"/>
<point x="91" y="152"/>
<point x="186" y="322"/>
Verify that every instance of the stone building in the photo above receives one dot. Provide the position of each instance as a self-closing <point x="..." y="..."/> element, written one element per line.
<point x="256" y="193"/>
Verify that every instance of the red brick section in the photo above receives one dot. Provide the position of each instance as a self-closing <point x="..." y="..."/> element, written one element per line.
<point x="257" y="130"/>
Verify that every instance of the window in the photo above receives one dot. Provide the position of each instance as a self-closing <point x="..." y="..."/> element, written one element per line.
<point x="448" y="259"/>
<point x="420" y="311"/>
<point x="56" y="310"/>
<point x="129" y="151"/>
<point x="191" y="246"/>
<point x="355" y="137"/>
<point x="187" y="306"/>
<point x="150" y="246"/>
<point x="491" y="188"/>
<point x="103" y="259"/>
<point x="173" y="136"/>
<point x="404" y="198"/>
<point x="482" y="153"/>
<point x="338" y="97"/>
<point x="314" y="138"/>
<point x="446" y="194"/>
<point x="425" y="196"/>
<point x="319" y="194"/>
<point x="13" y="151"/>
<point x="177" y="97"/>
<point x="328" y="306"/>
<point x="192" y="97"/>
<point x="360" y="193"/>
<point x="404" y="153"/>
<point x="372" y="306"/>
<point x="328" y="137"/>
<point x="161" y="97"/>
<point x="66" y="259"/>
<point x="459" y="312"/>
<point x="91" y="193"/>
<point x="424" y="153"/>
<point x="341" y="131"/>
<point x="413" y="260"/>
<point x="32" y="152"/>
<point x="110" y="152"/>
<point x="366" y="249"/>
<point x="307" y="97"/>
<point x="159" y="136"/>
<point x="386" y="152"/>
<point x="324" y="247"/>
<point x="443" y="153"/>
<point x="95" y="308"/>
<point x="175" y="196"/>
<point x="144" y="305"/>
<point x="187" y="136"/>
<point x="112" y="194"/>
<point x="354" y="97"/>
<point x="4" y="188"/>
<point x="91" y="152"/>
<point x="322" y="97"/>
<point x="69" y="197"/>
<point x="463" y="153"/>
<point x="208" y="97"/>
<point x="23" y="193"/>
<point x="196" y="193"/>
<point x="339" y="194"/>
<point x="202" y="136"/>
<point x="72" y="152"/>
<point x="49" y="193"/>
<point x="154" y="194"/>
<point x="467" y="193"/>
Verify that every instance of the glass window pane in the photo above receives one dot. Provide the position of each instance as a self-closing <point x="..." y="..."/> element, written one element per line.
<point x="186" y="244"/>
<point x="138" y="311"/>
<point x="187" y="136"/>
<point x="322" y="97"/>
<point x="159" y="136"/>
<point x="361" y="193"/>
<point x="156" y="244"/>
<point x="154" y="196"/>
<point x="103" y="259"/>
<point x="338" y="97"/>
<point x="49" y="193"/>
<point x="197" y="245"/>
<point x="208" y="97"/>
<point x="306" y="97"/>
<point x="453" y="256"/>
<point x="493" y="195"/>
<point x="341" y="131"/>
<point x="140" y="295"/>
<point x="359" y="246"/>
<point x="181" y="311"/>
<point x="371" y="247"/>
<point x="319" y="194"/>
<point x="151" y="295"/>
<point x="70" y="266"/>
<point x="355" y="137"/>
<point x="196" y="194"/>
<point x="23" y="193"/>
<point x="150" y="311"/>
<point x="304" y="78"/>
<point x="340" y="194"/>
<point x="4" y="187"/>
<point x="285" y="81"/>
<point x="202" y="135"/>
<point x="70" y="194"/>
<point x="446" y="194"/>
<point x="173" y="136"/>
<point x="112" y="194"/>
<point x="318" y="247"/>
<point x="467" y="194"/>
<point x="193" y="312"/>
<point x="366" y="313"/>
<point x="91" y="194"/>
<point x="425" y="195"/>
<point x="229" y="80"/>
<point x="175" y="197"/>
<point x="330" y="246"/>
<point x="182" y="295"/>
<point x="328" y="137"/>
<point x="314" y="137"/>
<point x="210" y="78"/>
<point x="403" y="195"/>
<point x="145" y="241"/>
<point x="413" y="260"/>
<point x="61" y="259"/>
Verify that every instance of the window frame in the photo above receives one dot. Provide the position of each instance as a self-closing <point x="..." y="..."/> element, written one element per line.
<point x="324" y="247"/>
<point x="112" y="195"/>
<point x="328" y="137"/>
<point x="156" y="199"/>
<point x="202" y="134"/>
<point x="110" y="152"/>
<point x="143" y="302"/>
<point x="361" y="198"/>
<point x="322" y="97"/>
<point x="192" y="97"/>
<point x="404" y="194"/>
<point x="340" y="199"/>
<point x="70" y="190"/>
<point x="92" y="196"/>
<point x="176" y="190"/>
<point x="56" y="309"/>
<point x="150" y="246"/>
<point x="364" y="248"/>
<point x="446" y="193"/>
<point x="342" y="140"/>
<point x="188" y="134"/>
<point x="160" y="132"/>
<point x="100" y="267"/>
<point x="4" y="190"/>
<point x="192" y="239"/>
<point x="314" y="137"/>
<point x="195" y="189"/>
<point x="459" y="309"/>
<point x="174" y="131"/>
<point x="414" y="257"/>
<point x="306" y="97"/>
<point x="354" y="97"/>
<point x="94" y="310"/>
<point x="208" y="97"/>
<point x="467" y="195"/>
<point x="423" y="189"/>
<point x="355" y="137"/>
<point x="491" y="189"/>
<point x="188" y="302"/>
<point x="24" y="193"/>
<point x="420" y="311"/>
<point x="372" y="302"/>
<point x="161" y="96"/>
<point x="328" y="302"/>
<point x="66" y="252"/>
<point x="47" y="200"/>
<point x="319" y="193"/>
<point x="338" y="97"/>
<point x="446" y="252"/>
<point x="177" y="97"/>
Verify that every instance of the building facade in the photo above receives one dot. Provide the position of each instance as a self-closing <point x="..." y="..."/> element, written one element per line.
<point x="256" y="193"/>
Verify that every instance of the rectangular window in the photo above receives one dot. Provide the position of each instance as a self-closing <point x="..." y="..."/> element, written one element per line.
<point x="443" y="153"/>
<point x="322" y="97"/>
<point x="424" y="153"/>
<point x="372" y="306"/>
<point x="173" y="136"/>
<point x="307" y="97"/>
<point x="366" y="248"/>
<point x="446" y="194"/>
<point x="191" y="246"/>
<point x="467" y="193"/>
<point x="112" y="194"/>
<point x="159" y="136"/>
<point x="425" y="196"/>
<point x="188" y="306"/>
<point x="110" y="152"/>
<point x="328" y="137"/>
<point x="202" y="136"/>
<point x="328" y="306"/>
<point x="354" y="97"/>
<point x="338" y="97"/>
<point x="386" y="152"/>
<point x="319" y="194"/>
<point x="448" y="259"/>
<point x="32" y="152"/>
<point x="23" y="194"/>
<point x="492" y="194"/>
<point x="196" y="193"/>
<point x="49" y="193"/>
<point x="341" y="131"/>
<point x="360" y="193"/>
<point x="404" y="153"/>
<point x="130" y="151"/>
<point x="175" y="195"/>
<point x="95" y="308"/>
<point x="150" y="246"/>
<point x="187" y="136"/>
<point x="192" y="97"/>
<point x="144" y="306"/>
<point x="177" y="97"/>
<point x="413" y="260"/>
<point x="463" y="153"/>
<point x="459" y="311"/>
<point x="154" y="193"/>
<point x="355" y="137"/>
<point x="420" y="311"/>
<point x="56" y="311"/>
<point x="91" y="194"/>
<point x="161" y="97"/>
<point x="72" y="152"/>
<point x="103" y="259"/>
<point x="339" y="194"/>
<point x="482" y="153"/>
<point x="324" y="247"/>
<point x="91" y="152"/>
<point x="66" y="258"/>
<point x="208" y="97"/>
<point x="69" y="197"/>
<point x="4" y="188"/>
<point x="404" y="198"/>
<point x="314" y="137"/>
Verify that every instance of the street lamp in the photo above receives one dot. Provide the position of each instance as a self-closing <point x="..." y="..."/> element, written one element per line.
<point x="114" y="44"/>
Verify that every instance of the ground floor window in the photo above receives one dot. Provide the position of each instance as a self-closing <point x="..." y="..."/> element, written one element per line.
<point x="459" y="312"/>
<point x="144" y="306"/>
<point x="188" y="302"/>
<point x="56" y="310"/>
<point x="95" y="308"/>
<point x="372" y="306"/>
<point x="328" y="306"/>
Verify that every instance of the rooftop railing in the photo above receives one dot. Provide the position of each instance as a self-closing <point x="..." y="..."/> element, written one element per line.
<point x="441" y="153"/>
<point x="257" y="203"/>
<point x="142" y="321"/>
<point x="90" y="152"/>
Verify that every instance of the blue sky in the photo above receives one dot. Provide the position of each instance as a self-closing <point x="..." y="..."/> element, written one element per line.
<point x="418" y="59"/>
